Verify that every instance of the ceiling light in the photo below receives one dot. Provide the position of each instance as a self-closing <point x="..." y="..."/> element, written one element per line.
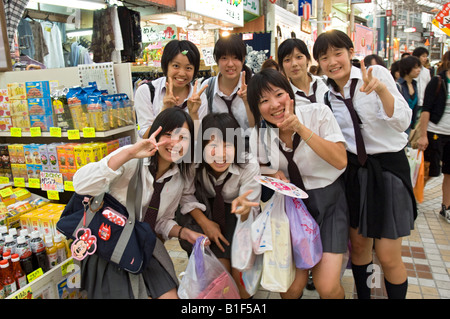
<point x="76" y="4"/>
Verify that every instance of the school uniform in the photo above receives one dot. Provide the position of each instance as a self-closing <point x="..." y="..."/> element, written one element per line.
<point x="220" y="100"/>
<point x="321" y="181"/>
<point x="378" y="184"/>
<point x="159" y="277"/>
<point x="146" y="110"/>
<point x="316" y="93"/>
<point x="238" y="179"/>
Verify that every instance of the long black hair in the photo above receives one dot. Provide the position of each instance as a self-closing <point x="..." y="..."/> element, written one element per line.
<point x="171" y="119"/>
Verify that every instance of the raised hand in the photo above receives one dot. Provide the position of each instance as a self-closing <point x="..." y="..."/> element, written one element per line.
<point x="242" y="92"/>
<point x="194" y="102"/>
<point x="147" y="147"/>
<point x="371" y="83"/>
<point x="291" y="121"/>
<point x="241" y="205"/>
<point x="169" y="99"/>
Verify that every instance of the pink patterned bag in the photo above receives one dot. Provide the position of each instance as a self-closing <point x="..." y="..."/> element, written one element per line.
<point x="305" y="234"/>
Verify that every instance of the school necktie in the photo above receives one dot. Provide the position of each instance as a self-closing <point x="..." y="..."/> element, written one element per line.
<point x="311" y="98"/>
<point x="182" y="106"/>
<point x="228" y="103"/>
<point x="360" y="146"/>
<point x="294" y="173"/>
<point x="218" y="209"/>
<point x="153" y="207"/>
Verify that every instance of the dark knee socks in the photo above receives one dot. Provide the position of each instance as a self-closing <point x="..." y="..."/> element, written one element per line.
<point x="361" y="275"/>
<point x="396" y="291"/>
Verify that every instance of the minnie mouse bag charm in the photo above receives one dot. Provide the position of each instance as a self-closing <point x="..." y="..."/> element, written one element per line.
<point x="85" y="243"/>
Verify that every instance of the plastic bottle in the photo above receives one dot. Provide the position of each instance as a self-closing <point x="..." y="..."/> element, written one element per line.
<point x="7" y="256"/>
<point x="51" y="251"/>
<point x="8" y="281"/>
<point x="18" y="273"/>
<point x="25" y="254"/>
<point x="24" y="232"/>
<point x="13" y="232"/>
<point x="38" y="249"/>
<point x="2" y="244"/>
<point x="60" y="248"/>
<point x="10" y="244"/>
<point x="3" y="230"/>
<point x="2" y="291"/>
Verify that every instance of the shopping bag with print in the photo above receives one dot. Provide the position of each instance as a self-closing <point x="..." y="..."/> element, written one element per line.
<point x="205" y="276"/>
<point x="278" y="265"/>
<point x="261" y="233"/>
<point x="242" y="256"/>
<point x="305" y="234"/>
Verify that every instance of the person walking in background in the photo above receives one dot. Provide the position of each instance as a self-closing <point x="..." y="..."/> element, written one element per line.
<point x="425" y="76"/>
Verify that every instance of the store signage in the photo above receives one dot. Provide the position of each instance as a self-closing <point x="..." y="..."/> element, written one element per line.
<point x="388" y="13"/>
<point x="231" y="11"/>
<point x="306" y="11"/>
<point x="301" y="7"/>
<point x="52" y="182"/>
<point x="252" y="6"/>
<point x="208" y="56"/>
<point x="401" y="22"/>
<point x="159" y="33"/>
<point x="442" y="19"/>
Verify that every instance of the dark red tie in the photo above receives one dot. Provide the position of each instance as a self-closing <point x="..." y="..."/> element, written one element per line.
<point x="218" y="209"/>
<point x="294" y="174"/>
<point x="228" y="103"/>
<point x="182" y="106"/>
<point x="311" y="98"/>
<point x="360" y="146"/>
<point x="153" y="207"/>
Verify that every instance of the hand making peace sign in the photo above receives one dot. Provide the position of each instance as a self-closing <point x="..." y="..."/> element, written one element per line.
<point x="195" y="101"/>
<point x="169" y="99"/>
<point x="371" y="83"/>
<point x="242" y="92"/>
<point x="147" y="147"/>
<point x="291" y="121"/>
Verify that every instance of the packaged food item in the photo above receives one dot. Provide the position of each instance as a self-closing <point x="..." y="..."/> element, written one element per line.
<point x="98" y="113"/>
<point x="40" y="106"/>
<point x="61" y="111"/>
<point x="16" y="91"/>
<point x="37" y="89"/>
<point x="77" y="101"/>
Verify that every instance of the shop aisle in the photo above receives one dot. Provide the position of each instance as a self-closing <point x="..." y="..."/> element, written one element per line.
<point x="426" y="254"/>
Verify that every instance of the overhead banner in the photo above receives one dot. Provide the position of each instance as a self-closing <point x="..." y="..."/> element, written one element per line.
<point x="442" y="19"/>
<point x="231" y="11"/>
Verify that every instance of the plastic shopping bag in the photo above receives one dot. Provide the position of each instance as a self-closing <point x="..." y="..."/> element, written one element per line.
<point x="278" y="265"/>
<point x="242" y="256"/>
<point x="261" y="231"/>
<point x="251" y="278"/>
<point x="415" y="159"/>
<point x="205" y="276"/>
<point x="305" y="234"/>
<point x="420" y="183"/>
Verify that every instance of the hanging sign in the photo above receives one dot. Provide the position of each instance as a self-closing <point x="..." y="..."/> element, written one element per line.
<point x="442" y="19"/>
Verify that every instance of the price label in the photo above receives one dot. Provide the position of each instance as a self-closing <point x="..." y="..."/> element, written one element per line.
<point x="34" y="183"/>
<point x="64" y="267"/>
<point x="35" y="131"/>
<point x="54" y="195"/>
<point x="4" y="180"/>
<point x="34" y="275"/>
<point x="89" y="132"/>
<point x="5" y="192"/>
<point x="73" y="134"/>
<point x="24" y="294"/>
<point x="16" y="132"/>
<point x="52" y="182"/>
<point x="55" y="131"/>
<point x="19" y="181"/>
<point x="68" y="186"/>
<point x="21" y="192"/>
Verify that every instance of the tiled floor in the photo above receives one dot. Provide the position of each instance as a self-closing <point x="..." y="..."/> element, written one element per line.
<point x="426" y="254"/>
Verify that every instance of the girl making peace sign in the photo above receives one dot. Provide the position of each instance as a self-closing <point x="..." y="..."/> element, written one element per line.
<point x="180" y="63"/>
<point x="373" y="116"/>
<point x="305" y="146"/>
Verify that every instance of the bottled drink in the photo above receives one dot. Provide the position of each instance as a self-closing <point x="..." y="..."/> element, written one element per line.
<point x="3" y="231"/>
<point x="8" y="281"/>
<point x="51" y="251"/>
<point x="7" y="256"/>
<point x="38" y="249"/>
<point x="19" y="275"/>
<point x="2" y="291"/>
<point x="10" y="244"/>
<point x="60" y="248"/>
<point x="2" y="244"/>
<point x="25" y="254"/>
<point x="24" y="232"/>
<point x="13" y="232"/>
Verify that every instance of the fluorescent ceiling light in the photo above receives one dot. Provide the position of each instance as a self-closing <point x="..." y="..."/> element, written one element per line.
<point x="78" y="33"/>
<point x="76" y="4"/>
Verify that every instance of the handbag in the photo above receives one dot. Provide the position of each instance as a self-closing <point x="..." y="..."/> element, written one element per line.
<point x="102" y="225"/>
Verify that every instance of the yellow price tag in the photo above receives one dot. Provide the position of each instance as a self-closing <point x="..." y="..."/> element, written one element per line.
<point x="16" y="132"/>
<point x="35" y="131"/>
<point x="89" y="132"/>
<point x="34" y="183"/>
<point x="19" y="181"/>
<point x="21" y="192"/>
<point x="4" y="180"/>
<point x="65" y="265"/>
<point x="5" y="192"/>
<point x="55" y="131"/>
<point x="24" y="294"/>
<point x="73" y="134"/>
<point x="34" y="275"/>
<point x="54" y="195"/>
<point x="68" y="186"/>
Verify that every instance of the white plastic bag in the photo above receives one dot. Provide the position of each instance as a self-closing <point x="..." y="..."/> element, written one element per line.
<point x="278" y="264"/>
<point x="205" y="276"/>
<point x="242" y="256"/>
<point x="251" y="278"/>
<point x="261" y="233"/>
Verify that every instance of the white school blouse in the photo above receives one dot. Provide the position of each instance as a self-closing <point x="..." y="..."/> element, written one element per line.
<point x="381" y="133"/>
<point x="146" y="111"/>
<point x="237" y="106"/>
<point x="322" y="88"/>
<point x="316" y="172"/>
<point x="96" y="178"/>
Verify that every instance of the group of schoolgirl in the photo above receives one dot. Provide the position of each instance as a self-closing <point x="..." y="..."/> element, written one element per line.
<point x="306" y="122"/>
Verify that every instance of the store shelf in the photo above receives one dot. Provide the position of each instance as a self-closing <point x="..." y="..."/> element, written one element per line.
<point x="64" y="134"/>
